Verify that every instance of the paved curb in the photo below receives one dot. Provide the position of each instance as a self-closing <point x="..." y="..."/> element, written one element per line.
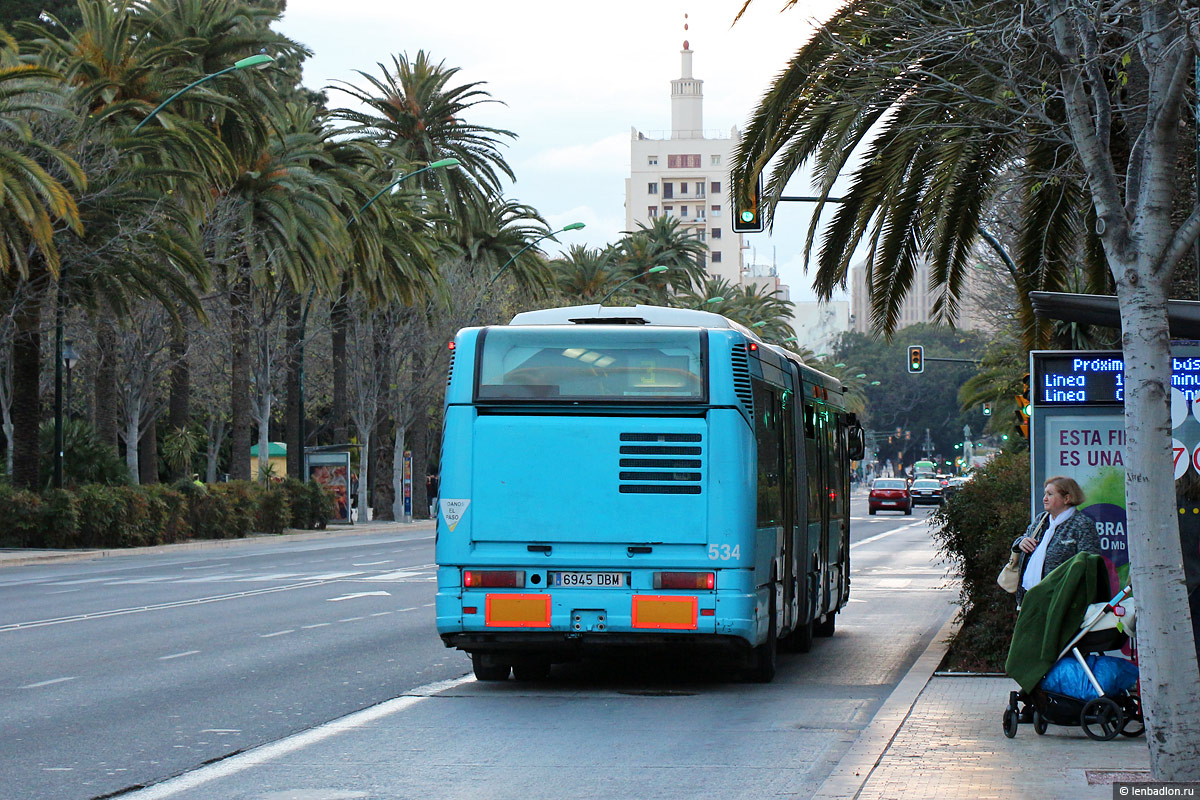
<point x="16" y="558"/>
<point x="855" y="768"/>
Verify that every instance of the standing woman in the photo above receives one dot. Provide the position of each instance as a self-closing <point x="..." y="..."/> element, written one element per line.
<point x="1065" y="531"/>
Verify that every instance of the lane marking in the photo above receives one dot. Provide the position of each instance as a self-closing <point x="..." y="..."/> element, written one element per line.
<point x="317" y="625"/>
<point x="276" y="633"/>
<point x="879" y="536"/>
<point x="357" y="595"/>
<point x="178" y="655"/>
<point x="414" y="608"/>
<point x="15" y="626"/>
<point x="381" y="613"/>
<point x="372" y="563"/>
<point x="261" y="755"/>
<point x="351" y="619"/>
<point x="49" y="683"/>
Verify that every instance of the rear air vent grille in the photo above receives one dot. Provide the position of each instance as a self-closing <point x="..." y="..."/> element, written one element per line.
<point x="450" y="369"/>
<point x="741" y="377"/>
<point x="666" y="473"/>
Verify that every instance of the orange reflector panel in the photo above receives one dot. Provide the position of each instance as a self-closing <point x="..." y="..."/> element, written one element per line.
<point x="664" y="612"/>
<point x="518" y="610"/>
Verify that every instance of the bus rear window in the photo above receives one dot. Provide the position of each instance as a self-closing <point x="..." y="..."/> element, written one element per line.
<point x="552" y="362"/>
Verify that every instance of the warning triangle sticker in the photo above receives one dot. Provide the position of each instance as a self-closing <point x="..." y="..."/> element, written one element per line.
<point x="452" y="511"/>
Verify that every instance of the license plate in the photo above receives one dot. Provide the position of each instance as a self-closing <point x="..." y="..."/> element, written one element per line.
<point x="587" y="579"/>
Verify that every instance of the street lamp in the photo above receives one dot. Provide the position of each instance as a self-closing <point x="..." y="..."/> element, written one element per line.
<point x="651" y="271"/>
<point x="758" y="324"/>
<point x="574" y="226"/>
<point x="69" y="358"/>
<point x="709" y="302"/>
<point x="260" y="61"/>
<point x="300" y="423"/>
<point x="445" y="162"/>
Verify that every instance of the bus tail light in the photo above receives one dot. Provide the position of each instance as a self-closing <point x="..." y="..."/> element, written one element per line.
<point x="685" y="580"/>
<point x="493" y="579"/>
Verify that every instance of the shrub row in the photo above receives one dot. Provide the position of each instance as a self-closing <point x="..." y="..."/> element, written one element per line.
<point x="97" y="515"/>
<point x="974" y="530"/>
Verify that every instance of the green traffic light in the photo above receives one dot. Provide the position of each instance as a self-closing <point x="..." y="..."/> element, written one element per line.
<point x="747" y="216"/>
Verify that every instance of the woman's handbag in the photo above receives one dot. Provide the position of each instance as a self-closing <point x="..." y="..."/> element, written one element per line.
<point x="1010" y="577"/>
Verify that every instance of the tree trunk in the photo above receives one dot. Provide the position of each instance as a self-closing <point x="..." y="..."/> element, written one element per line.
<point x="132" y="439"/>
<point x="291" y="408"/>
<point x="27" y="353"/>
<point x="178" y="408"/>
<point x="240" y="403"/>
<point x="364" y="448"/>
<point x="1169" y="671"/>
<point x="339" y="318"/>
<point x="105" y="413"/>
<point x="148" y="453"/>
<point x="382" y="489"/>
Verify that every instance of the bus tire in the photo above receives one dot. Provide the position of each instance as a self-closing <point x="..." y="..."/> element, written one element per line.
<point x="827" y="626"/>
<point x="488" y="667"/>
<point x="763" y="657"/>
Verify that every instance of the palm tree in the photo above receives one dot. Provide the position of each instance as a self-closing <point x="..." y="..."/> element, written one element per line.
<point x="933" y="159"/>
<point x="281" y="227"/>
<point x="417" y="116"/>
<point x="32" y="203"/>
<point x="664" y="242"/>
<point x="587" y="274"/>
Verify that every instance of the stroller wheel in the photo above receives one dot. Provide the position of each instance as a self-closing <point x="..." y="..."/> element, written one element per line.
<point x="1133" y="727"/>
<point x="1010" y="723"/>
<point x="1039" y="723"/>
<point x="1101" y="719"/>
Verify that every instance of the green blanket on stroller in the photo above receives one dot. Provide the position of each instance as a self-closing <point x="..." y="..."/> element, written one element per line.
<point x="1051" y="614"/>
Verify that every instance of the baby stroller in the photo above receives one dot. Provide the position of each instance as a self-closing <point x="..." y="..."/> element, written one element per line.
<point x="1098" y="693"/>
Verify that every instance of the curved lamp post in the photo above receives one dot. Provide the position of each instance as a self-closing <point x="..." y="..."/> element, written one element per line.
<point x="302" y="434"/>
<point x="710" y="301"/>
<point x="445" y="162"/>
<point x="651" y="271"/>
<point x="260" y="61"/>
<point x="574" y="226"/>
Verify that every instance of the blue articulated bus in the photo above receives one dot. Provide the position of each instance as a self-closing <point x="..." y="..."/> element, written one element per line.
<point x="638" y="478"/>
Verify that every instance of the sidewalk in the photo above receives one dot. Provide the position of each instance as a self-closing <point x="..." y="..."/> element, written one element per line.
<point x="940" y="737"/>
<point x="21" y="557"/>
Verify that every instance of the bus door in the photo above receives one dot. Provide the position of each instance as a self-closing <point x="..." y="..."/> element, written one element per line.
<point x="773" y="479"/>
<point x="792" y="544"/>
<point x="815" y="509"/>
<point x="839" y="523"/>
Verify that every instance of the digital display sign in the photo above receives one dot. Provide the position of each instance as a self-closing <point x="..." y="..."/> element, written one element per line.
<point x="1097" y="378"/>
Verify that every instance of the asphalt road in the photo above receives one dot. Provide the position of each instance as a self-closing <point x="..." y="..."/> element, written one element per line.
<point x="125" y="672"/>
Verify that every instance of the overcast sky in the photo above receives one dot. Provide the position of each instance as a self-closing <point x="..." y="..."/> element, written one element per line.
<point x="574" y="77"/>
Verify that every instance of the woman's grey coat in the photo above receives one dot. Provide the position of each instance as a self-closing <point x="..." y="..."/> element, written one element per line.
<point x="1076" y="535"/>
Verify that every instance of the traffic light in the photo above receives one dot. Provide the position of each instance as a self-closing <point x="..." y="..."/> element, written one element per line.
<point x="987" y="409"/>
<point x="916" y="358"/>
<point x="747" y="217"/>
<point x="1024" y="407"/>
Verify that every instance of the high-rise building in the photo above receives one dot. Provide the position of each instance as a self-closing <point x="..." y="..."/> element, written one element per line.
<point x="684" y="173"/>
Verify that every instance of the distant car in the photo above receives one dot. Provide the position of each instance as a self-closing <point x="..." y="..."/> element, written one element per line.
<point x="952" y="486"/>
<point x="927" y="491"/>
<point x="889" y="494"/>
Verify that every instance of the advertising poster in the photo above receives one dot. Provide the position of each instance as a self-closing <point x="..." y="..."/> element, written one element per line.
<point x="1091" y="450"/>
<point x="332" y="470"/>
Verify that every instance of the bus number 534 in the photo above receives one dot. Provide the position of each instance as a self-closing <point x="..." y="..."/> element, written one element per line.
<point x="724" y="552"/>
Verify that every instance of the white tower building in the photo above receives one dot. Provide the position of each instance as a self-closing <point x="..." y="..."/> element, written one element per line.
<point x="685" y="174"/>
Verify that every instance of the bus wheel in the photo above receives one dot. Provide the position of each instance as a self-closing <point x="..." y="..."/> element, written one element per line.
<point x="827" y="626"/>
<point x="762" y="658"/>
<point x="488" y="667"/>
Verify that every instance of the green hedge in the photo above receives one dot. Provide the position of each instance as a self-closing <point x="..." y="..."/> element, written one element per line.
<point x="106" y="516"/>
<point x="974" y="530"/>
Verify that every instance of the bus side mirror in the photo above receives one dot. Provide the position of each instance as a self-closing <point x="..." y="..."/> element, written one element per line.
<point x="857" y="446"/>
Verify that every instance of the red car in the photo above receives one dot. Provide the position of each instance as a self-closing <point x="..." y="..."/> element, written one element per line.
<point x="889" y="494"/>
